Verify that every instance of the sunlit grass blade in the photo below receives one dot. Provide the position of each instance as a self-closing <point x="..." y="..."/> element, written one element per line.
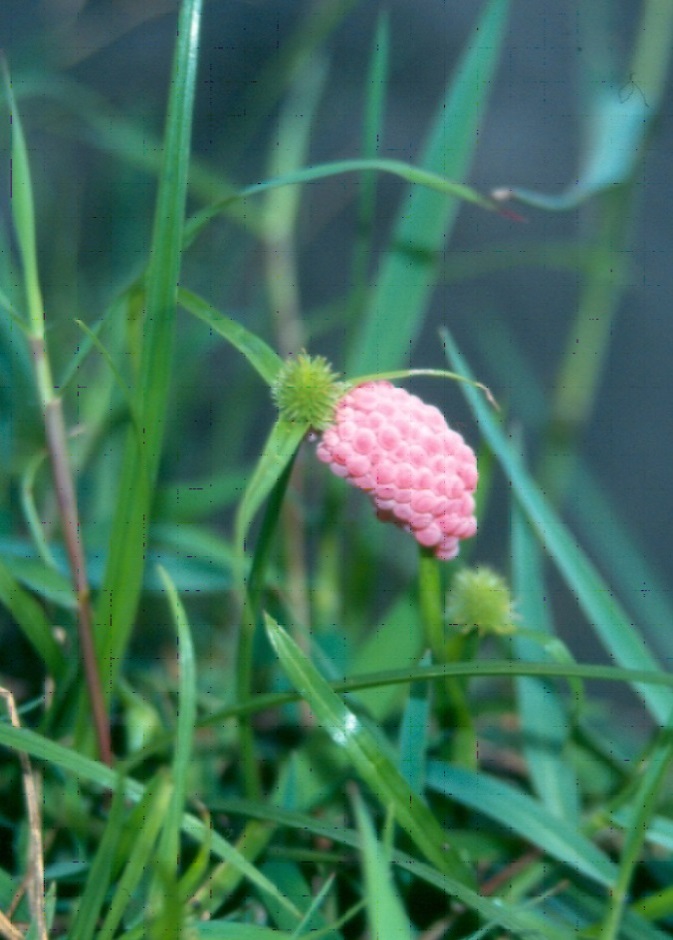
<point x="544" y="723"/>
<point x="372" y="763"/>
<point x="119" y="597"/>
<point x="260" y="356"/>
<point x="600" y="605"/>
<point x="387" y="917"/>
<point x="32" y="620"/>
<point x="517" y="811"/>
<point x="408" y="272"/>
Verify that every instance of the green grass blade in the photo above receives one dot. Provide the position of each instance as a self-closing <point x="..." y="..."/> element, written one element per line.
<point x="119" y="597"/>
<point x="544" y="723"/>
<point x="100" y="875"/>
<point x="184" y="738"/>
<point x="139" y="859"/>
<point x="525" y="816"/>
<point x="260" y="356"/>
<point x="399" y="300"/>
<point x="600" y="605"/>
<point x="387" y="917"/>
<point x="414" y="735"/>
<point x="32" y="620"/>
<point x="280" y="448"/>
<point x="371" y="762"/>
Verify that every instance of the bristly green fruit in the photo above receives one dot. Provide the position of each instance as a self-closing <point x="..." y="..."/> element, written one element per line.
<point x="480" y="599"/>
<point x="306" y="390"/>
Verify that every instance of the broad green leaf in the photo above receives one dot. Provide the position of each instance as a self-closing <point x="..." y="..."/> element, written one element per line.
<point x="525" y="816"/>
<point x="260" y="356"/>
<point x="367" y="756"/>
<point x="32" y="619"/>
<point x="118" y="599"/>
<point x="387" y="917"/>
<point x="600" y="605"/>
<point x="544" y="722"/>
<point x="399" y="300"/>
<point x="414" y="734"/>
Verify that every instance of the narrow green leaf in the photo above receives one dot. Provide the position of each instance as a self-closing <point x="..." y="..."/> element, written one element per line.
<point x="525" y="816"/>
<point x="435" y="179"/>
<point x="280" y="448"/>
<point x="119" y="597"/>
<point x="544" y="722"/>
<point x="260" y="356"/>
<point x="399" y="300"/>
<point x="387" y="918"/>
<point x="184" y="738"/>
<point x="600" y="605"/>
<point x="369" y="759"/>
<point x="32" y="619"/>
<point x="414" y="733"/>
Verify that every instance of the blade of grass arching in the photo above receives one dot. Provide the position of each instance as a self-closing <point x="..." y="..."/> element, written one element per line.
<point x="365" y="752"/>
<point x="32" y="620"/>
<point x="600" y="605"/>
<point x="398" y="302"/>
<point x="90" y="904"/>
<point x="522" y="814"/>
<point x="645" y="800"/>
<point x="156" y="801"/>
<point x="419" y="176"/>
<point x="121" y="590"/>
<point x="544" y="722"/>
<point x="260" y="356"/>
<point x="168" y="849"/>
<point x="98" y="774"/>
<point x="386" y="915"/>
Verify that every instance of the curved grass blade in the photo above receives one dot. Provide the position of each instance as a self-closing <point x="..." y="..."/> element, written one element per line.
<point x="600" y="605"/>
<point x="525" y="816"/>
<point x="123" y="579"/>
<point x="84" y="768"/>
<point x="260" y="356"/>
<point x="544" y="722"/>
<point x="408" y="272"/>
<point x="435" y="182"/>
<point x="367" y="756"/>
<point x="280" y="448"/>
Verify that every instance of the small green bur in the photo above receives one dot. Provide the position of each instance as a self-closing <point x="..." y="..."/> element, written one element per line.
<point x="306" y="390"/>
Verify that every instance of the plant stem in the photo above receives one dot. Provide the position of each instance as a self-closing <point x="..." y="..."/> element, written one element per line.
<point x="444" y="651"/>
<point x="66" y="499"/>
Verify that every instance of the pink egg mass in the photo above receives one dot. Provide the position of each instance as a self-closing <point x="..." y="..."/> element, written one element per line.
<point x="419" y="473"/>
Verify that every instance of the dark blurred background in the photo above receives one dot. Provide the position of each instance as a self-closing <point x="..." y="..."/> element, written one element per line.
<point x="532" y="137"/>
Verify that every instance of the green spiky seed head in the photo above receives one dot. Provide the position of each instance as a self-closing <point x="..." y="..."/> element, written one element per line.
<point x="480" y="598"/>
<point x="306" y="390"/>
